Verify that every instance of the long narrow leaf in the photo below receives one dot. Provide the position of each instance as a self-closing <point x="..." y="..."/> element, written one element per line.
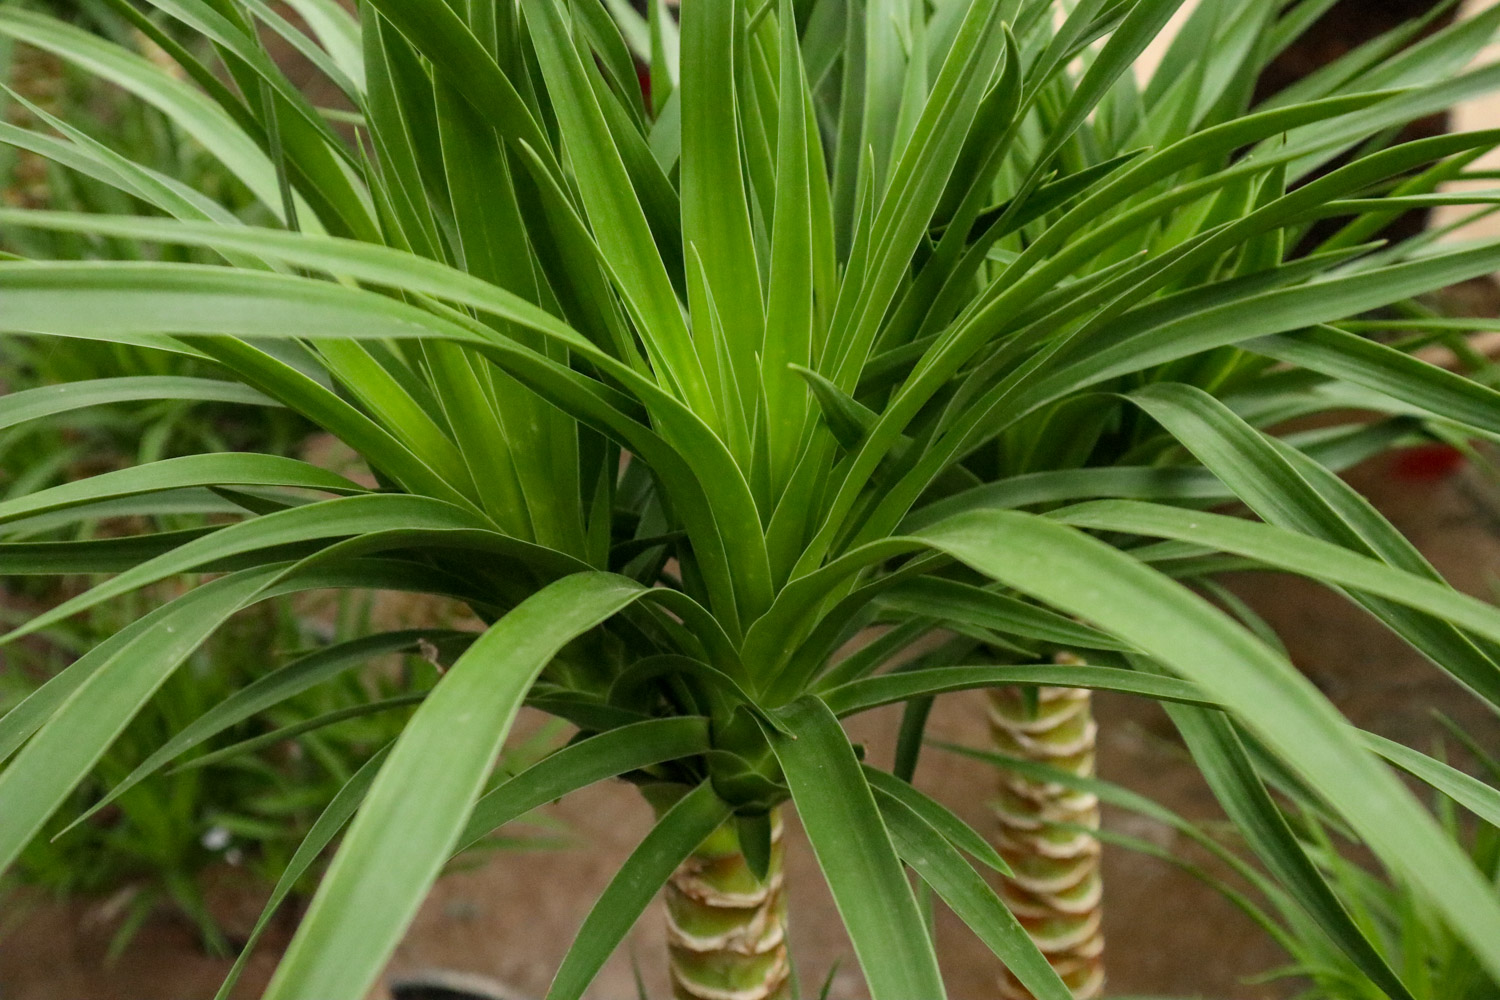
<point x="415" y="812"/>
<point x="1088" y="578"/>
<point x="854" y="850"/>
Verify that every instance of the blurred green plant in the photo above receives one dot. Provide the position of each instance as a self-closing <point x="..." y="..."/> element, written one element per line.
<point x="245" y="795"/>
<point x="43" y="91"/>
<point x="148" y="428"/>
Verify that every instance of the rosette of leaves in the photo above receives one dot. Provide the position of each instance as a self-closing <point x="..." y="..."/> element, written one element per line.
<point x="681" y="394"/>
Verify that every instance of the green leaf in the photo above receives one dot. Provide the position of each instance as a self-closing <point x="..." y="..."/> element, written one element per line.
<point x="1232" y="322"/>
<point x="435" y="29"/>
<point x="358" y="370"/>
<point x="1125" y="799"/>
<point x="872" y="692"/>
<point x="613" y="208"/>
<point x="188" y="108"/>
<point x="917" y="180"/>
<point x="236" y="469"/>
<point x="49" y="400"/>
<point x="1471" y="793"/>
<point x="416" y="810"/>
<point x="1083" y="576"/>
<point x="674" y="837"/>
<point x="789" y="293"/>
<point x="109" y="303"/>
<point x="289" y="734"/>
<point x="100" y="555"/>
<point x="941" y="866"/>
<point x="847" y="419"/>
<point x="1173" y="483"/>
<point x="329" y="519"/>
<point x="607" y="755"/>
<point x="1029" y="277"/>
<point x="305" y="394"/>
<point x="92" y="159"/>
<point x="1189" y="486"/>
<point x="1290" y="551"/>
<point x="942" y="819"/>
<point x="1219" y="754"/>
<point x="340" y="808"/>
<point x="1367" y="363"/>
<point x="338" y="32"/>
<point x="81" y="711"/>
<point x="276" y="687"/>
<point x="1140" y="27"/>
<point x="250" y="61"/>
<point x="1289" y="490"/>
<point x="952" y="601"/>
<point x="715" y="212"/>
<point x="854" y="850"/>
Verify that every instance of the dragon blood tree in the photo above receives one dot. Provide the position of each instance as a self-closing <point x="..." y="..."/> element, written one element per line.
<point x="919" y="315"/>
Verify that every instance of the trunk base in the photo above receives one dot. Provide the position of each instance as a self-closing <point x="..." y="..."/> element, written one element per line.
<point x="1056" y="890"/>
<point x="726" y="930"/>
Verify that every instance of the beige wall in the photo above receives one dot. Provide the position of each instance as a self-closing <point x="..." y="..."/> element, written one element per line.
<point x="1478" y="114"/>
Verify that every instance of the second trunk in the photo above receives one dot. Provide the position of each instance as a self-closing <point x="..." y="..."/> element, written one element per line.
<point x="1043" y="833"/>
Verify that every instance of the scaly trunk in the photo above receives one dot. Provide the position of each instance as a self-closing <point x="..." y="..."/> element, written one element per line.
<point x="726" y="930"/>
<point x="1056" y="889"/>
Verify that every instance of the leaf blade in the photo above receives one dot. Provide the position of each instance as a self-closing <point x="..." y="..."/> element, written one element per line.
<point x="854" y="850"/>
<point x="417" y="806"/>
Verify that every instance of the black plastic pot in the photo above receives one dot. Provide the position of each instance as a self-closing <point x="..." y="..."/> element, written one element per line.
<point x="439" y="985"/>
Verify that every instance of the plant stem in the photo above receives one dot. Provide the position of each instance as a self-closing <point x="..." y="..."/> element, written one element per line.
<point x="726" y="930"/>
<point x="1043" y="834"/>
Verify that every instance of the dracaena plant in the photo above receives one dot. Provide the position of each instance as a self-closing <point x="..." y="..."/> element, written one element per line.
<point x="923" y="315"/>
